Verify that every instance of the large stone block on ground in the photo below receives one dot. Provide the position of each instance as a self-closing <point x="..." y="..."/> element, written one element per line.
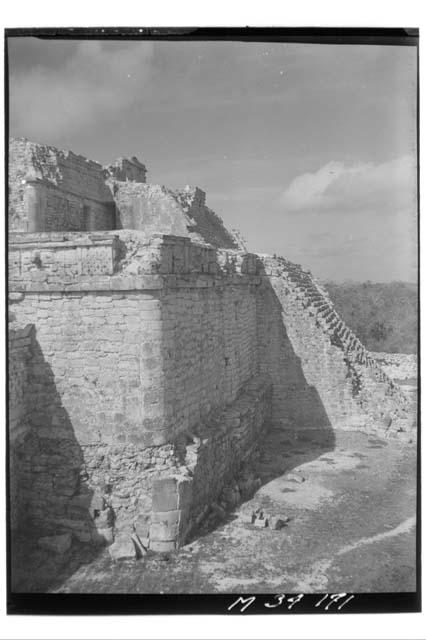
<point x="122" y="549"/>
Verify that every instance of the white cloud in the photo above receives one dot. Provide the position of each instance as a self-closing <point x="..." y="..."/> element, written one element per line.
<point x="97" y="82"/>
<point x="375" y="188"/>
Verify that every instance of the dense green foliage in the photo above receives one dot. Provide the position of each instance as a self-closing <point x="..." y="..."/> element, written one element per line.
<point x="383" y="316"/>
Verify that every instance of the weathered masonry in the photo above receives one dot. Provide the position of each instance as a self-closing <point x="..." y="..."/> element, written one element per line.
<point x="149" y="352"/>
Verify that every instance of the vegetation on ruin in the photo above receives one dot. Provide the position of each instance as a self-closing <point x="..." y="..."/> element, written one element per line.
<point x="383" y="315"/>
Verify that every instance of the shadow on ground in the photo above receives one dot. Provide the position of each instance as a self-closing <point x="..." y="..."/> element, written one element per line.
<point x="279" y="455"/>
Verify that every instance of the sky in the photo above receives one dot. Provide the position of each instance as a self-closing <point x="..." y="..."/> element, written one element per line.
<point x="310" y="150"/>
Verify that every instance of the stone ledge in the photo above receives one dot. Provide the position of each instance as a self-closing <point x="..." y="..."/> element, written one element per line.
<point x="49" y="240"/>
<point x="129" y="283"/>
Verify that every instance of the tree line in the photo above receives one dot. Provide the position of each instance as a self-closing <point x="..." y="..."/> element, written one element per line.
<point x="384" y="316"/>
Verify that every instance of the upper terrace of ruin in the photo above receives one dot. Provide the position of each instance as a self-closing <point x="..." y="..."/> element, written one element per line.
<point x="52" y="190"/>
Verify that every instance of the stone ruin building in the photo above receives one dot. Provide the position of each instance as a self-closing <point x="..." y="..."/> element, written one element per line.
<point x="149" y="352"/>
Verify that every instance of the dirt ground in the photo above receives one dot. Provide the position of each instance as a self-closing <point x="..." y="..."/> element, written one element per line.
<point x="351" y="508"/>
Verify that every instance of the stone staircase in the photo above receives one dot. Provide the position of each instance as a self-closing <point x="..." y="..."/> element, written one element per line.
<point x="370" y="384"/>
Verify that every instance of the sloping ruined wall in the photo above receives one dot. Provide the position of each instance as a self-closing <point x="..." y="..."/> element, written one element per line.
<point x="204" y="223"/>
<point x="300" y="333"/>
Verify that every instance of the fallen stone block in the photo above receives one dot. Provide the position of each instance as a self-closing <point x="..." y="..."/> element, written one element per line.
<point x="122" y="549"/>
<point x="266" y="517"/>
<point x="261" y="523"/>
<point x="57" y="544"/>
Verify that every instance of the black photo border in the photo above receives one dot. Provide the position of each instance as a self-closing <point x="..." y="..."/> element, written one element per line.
<point x="223" y="604"/>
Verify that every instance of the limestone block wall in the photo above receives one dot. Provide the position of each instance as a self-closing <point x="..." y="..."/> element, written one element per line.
<point x="209" y="338"/>
<point x="105" y="353"/>
<point x="89" y="463"/>
<point x="19" y="413"/>
<point x="125" y="362"/>
<point x="60" y="480"/>
<point x="135" y="358"/>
